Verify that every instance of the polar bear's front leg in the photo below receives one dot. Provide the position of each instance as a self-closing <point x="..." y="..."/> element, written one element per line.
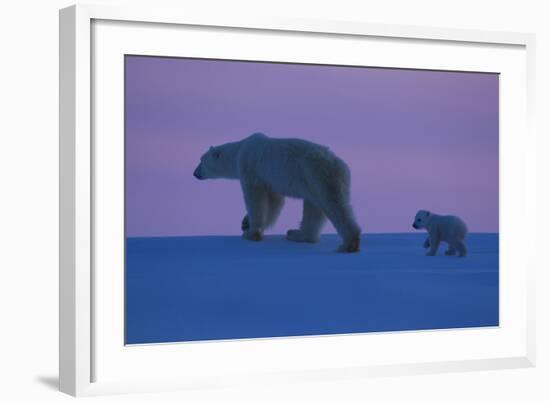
<point x="427" y="243"/>
<point x="275" y="203"/>
<point x="434" y="245"/>
<point x="255" y="198"/>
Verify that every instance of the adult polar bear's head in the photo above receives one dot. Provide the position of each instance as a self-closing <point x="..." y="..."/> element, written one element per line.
<point x="421" y="219"/>
<point x="218" y="162"/>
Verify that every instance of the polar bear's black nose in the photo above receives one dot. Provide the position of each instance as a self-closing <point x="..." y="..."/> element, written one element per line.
<point x="414" y="225"/>
<point x="197" y="173"/>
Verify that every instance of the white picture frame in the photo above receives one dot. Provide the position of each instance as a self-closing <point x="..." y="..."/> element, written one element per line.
<point x="80" y="234"/>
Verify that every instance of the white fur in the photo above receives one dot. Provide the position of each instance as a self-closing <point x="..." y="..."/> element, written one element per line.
<point x="450" y="229"/>
<point x="270" y="169"/>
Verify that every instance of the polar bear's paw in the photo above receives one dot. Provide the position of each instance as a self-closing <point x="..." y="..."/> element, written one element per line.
<point x="294" y="235"/>
<point x="251" y="235"/>
<point x="351" y="246"/>
<point x="300" y="236"/>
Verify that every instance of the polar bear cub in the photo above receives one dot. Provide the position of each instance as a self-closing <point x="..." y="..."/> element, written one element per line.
<point x="270" y="169"/>
<point x="450" y="229"/>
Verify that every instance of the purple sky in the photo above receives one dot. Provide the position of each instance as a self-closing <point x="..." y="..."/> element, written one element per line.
<point x="413" y="140"/>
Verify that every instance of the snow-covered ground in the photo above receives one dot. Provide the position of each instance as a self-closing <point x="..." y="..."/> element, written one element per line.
<point x="203" y="288"/>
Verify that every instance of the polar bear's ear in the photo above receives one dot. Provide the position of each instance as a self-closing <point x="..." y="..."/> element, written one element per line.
<point x="215" y="153"/>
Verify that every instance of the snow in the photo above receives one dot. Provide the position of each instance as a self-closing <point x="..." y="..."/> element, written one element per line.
<point x="206" y="288"/>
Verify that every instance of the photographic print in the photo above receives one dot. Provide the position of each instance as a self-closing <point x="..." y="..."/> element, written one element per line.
<point x="268" y="199"/>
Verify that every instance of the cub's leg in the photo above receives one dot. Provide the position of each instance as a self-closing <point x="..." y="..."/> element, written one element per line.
<point x="461" y="248"/>
<point x="311" y="225"/>
<point x="427" y="243"/>
<point x="452" y="250"/>
<point x="434" y="245"/>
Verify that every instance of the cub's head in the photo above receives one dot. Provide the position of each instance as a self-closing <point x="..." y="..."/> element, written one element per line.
<point x="218" y="162"/>
<point x="421" y="219"/>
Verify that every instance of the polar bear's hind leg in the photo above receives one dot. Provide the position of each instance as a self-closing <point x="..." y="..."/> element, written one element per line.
<point x="311" y="225"/>
<point x="275" y="203"/>
<point x="461" y="248"/>
<point x="341" y="216"/>
<point x="332" y="197"/>
<point x="245" y="224"/>
<point x="451" y="251"/>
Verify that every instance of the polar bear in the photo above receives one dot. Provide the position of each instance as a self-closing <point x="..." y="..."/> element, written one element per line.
<point x="270" y="169"/>
<point x="450" y="229"/>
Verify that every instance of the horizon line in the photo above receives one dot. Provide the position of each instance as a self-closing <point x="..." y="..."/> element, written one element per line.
<point x="283" y="235"/>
